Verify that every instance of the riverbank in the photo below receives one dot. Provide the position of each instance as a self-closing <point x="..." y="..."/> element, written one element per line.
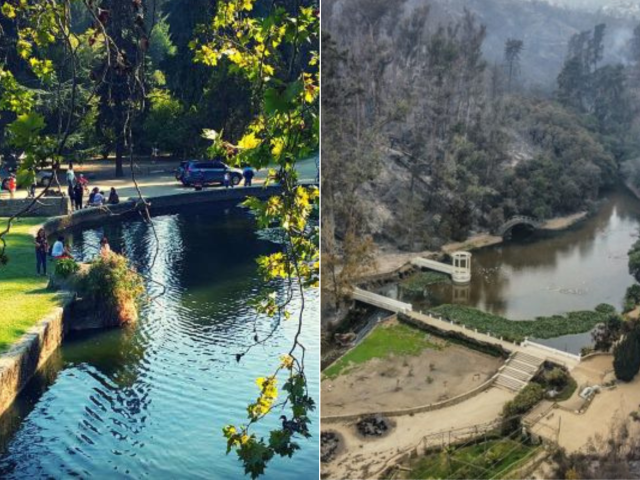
<point x="24" y="297"/>
<point x="32" y="319"/>
<point x="388" y="261"/>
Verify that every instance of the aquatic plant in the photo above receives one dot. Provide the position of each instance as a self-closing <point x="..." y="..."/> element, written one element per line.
<point x="417" y="282"/>
<point x="517" y="330"/>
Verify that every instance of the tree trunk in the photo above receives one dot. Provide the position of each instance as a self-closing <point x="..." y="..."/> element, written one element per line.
<point x="119" y="155"/>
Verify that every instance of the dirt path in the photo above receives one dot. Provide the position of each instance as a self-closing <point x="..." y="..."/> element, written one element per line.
<point x="608" y="408"/>
<point x="362" y="458"/>
<point x="407" y="381"/>
<point x="560" y="223"/>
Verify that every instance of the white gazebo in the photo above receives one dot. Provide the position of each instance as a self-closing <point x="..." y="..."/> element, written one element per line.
<point x="461" y="267"/>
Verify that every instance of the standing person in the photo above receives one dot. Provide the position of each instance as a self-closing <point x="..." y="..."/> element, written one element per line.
<point x="227" y="179"/>
<point x="71" y="180"/>
<point x="248" y="174"/>
<point x="114" y="199"/>
<point x="11" y="184"/>
<point x="105" y="248"/>
<point x="78" y="193"/>
<point x="83" y="181"/>
<point x="42" y="247"/>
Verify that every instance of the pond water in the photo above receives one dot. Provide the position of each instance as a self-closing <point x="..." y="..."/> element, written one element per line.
<point x="151" y="400"/>
<point x="545" y="275"/>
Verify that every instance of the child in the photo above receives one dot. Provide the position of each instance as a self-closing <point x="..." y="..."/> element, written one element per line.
<point x="227" y="179"/>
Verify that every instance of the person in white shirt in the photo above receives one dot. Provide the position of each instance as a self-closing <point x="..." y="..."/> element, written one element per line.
<point x="98" y="199"/>
<point x="59" y="250"/>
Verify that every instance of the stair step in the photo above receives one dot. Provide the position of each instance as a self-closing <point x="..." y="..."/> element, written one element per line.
<point x="509" y="383"/>
<point x="525" y="367"/>
<point x="517" y="374"/>
<point x="527" y="358"/>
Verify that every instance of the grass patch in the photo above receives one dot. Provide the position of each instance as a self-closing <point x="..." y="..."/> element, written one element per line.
<point x="383" y="342"/>
<point x="494" y="458"/>
<point x="567" y="391"/>
<point x="24" y="298"/>
<point x="417" y="282"/>
<point x="516" y="330"/>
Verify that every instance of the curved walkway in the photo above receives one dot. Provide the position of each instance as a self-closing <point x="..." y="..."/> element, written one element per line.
<point x="364" y="458"/>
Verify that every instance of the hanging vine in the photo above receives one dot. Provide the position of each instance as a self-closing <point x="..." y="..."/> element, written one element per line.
<point x="276" y="48"/>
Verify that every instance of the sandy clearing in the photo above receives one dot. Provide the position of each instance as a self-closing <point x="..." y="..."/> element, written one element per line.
<point x="407" y="381"/>
<point x="362" y="458"/>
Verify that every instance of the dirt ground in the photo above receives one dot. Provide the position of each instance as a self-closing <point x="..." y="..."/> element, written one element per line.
<point x="608" y="409"/>
<point x="407" y="381"/>
<point x="561" y="223"/>
<point x="364" y="458"/>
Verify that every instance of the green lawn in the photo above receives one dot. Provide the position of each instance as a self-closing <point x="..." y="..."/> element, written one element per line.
<point x="24" y="299"/>
<point x="382" y="342"/>
<point x="491" y="459"/>
<point x="517" y="330"/>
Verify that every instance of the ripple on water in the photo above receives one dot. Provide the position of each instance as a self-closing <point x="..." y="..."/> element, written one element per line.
<point x="151" y="401"/>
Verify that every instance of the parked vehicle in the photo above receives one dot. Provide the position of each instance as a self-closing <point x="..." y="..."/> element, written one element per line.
<point x="181" y="168"/>
<point x="197" y="172"/>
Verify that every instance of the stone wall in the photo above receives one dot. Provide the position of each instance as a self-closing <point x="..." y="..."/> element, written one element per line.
<point x="21" y="362"/>
<point x="44" y="207"/>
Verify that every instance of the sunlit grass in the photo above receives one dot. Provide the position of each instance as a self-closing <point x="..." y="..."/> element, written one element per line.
<point x="24" y="298"/>
<point x="383" y="342"/>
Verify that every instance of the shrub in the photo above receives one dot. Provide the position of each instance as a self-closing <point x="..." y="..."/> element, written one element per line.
<point x="556" y="377"/>
<point x="632" y="297"/>
<point x="66" y="267"/>
<point x="626" y="356"/>
<point x="526" y="399"/>
<point x="112" y="284"/>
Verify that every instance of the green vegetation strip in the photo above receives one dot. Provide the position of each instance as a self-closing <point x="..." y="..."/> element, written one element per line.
<point x="491" y="459"/>
<point x="383" y="342"/>
<point x="516" y="330"/>
<point x="24" y="298"/>
<point x="417" y="282"/>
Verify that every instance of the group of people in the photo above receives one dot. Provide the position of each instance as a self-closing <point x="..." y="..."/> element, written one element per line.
<point x="79" y="185"/>
<point x="59" y="250"/>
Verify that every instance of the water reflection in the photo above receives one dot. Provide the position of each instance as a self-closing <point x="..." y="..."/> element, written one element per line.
<point x="573" y="270"/>
<point x="151" y="400"/>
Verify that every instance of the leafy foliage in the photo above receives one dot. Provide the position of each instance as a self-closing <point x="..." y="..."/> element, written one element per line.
<point x="111" y="282"/>
<point x="524" y="401"/>
<point x="517" y="330"/>
<point x="626" y="356"/>
<point x="66" y="267"/>
<point x="276" y="51"/>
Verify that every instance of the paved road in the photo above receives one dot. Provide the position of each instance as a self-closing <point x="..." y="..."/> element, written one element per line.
<point x="156" y="180"/>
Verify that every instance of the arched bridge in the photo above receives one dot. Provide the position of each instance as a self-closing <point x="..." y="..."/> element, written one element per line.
<point x="518" y="220"/>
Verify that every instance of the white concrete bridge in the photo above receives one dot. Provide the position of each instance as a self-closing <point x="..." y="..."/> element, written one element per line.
<point x="460" y="271"/>
<point x="532" y="350"/>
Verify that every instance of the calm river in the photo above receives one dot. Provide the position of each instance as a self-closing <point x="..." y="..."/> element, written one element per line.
<point x="151" y="400"/>
<point x="576" y="269"/>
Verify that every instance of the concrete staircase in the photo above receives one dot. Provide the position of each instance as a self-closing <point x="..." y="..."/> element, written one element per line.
<point x="517" y="372"/>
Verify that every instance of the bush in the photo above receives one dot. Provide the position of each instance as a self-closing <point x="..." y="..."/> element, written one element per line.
<point x="528" y="397"/>
<point x="626" y="356"/>
<point x="66" y="267"/>
<point x="556" y="377"/>
<point x="632" y="297"/>
<point x="113" y="285"/>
